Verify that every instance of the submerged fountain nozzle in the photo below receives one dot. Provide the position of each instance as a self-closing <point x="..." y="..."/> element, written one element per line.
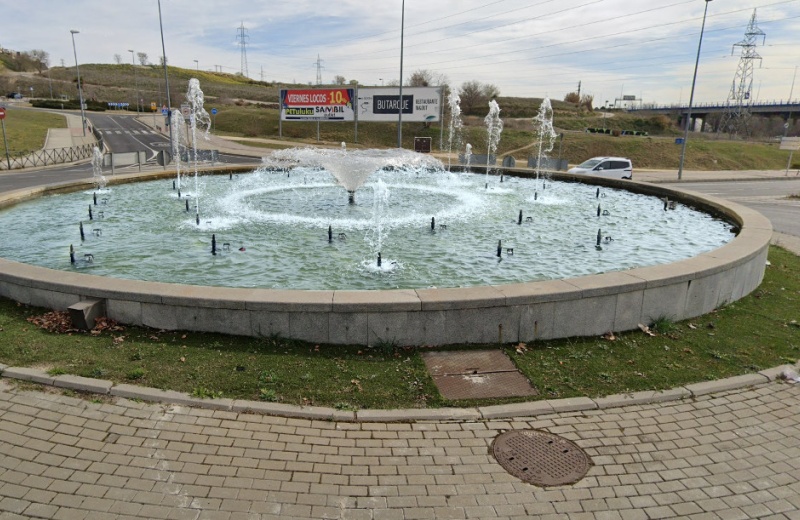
<point x="351" y="197"/>
<point x="330" y="234"/>
<point x="599" y="239"/>
<point x="519" y="221"/>
<point x="173" y="185"/>
<point x="94" y="197"/>
<point x="90" y="213"/>
<point x="433" y="223"/>
<point x="71" y="254"/>
<point x="535" y="195"/>
<point x="598" y="210"/>
<point x="83" y="237"/>
<point x="197" y="218"/>
<point x="379" y="259"/>
<point x="230" y="176"/>
<point x="499" y="248"/>
<point x="214" y="245"/>
<point x="597" y="194"/>
<point x="187" y="204"/>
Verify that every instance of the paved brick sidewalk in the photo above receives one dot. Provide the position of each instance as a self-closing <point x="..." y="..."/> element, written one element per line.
<point x="724" y="456"/>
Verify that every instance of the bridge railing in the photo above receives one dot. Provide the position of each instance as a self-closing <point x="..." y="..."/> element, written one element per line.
<point x="793" y="105"/>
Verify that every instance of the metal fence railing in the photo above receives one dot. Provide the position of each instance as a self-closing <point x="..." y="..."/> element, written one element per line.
<point x="47" y="157"/>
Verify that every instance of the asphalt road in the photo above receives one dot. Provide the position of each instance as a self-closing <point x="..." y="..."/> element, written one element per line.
<point x="770" y="198"/>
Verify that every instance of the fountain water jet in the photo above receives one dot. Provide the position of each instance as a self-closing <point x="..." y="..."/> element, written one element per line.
<point x="494" y="127"/>
<point x="100" y="181"/>
<point x="455" y="125"/>
<point x="546" y="135"/>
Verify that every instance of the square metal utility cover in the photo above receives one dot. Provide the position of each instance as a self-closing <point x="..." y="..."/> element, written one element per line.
<point x="476" y="374"/>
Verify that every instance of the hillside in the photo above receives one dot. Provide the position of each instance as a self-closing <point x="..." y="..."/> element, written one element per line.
<point x="248" y="108"/>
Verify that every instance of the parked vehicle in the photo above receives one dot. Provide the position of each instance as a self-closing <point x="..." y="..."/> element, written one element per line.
<point x="611" y="167"/>
<point x="14" y="95"/>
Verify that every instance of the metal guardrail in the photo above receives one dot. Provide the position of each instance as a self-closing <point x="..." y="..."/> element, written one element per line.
<point x="47" y="157"/>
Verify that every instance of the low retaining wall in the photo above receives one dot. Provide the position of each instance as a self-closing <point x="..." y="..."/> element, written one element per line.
<point x="588" y="305"/>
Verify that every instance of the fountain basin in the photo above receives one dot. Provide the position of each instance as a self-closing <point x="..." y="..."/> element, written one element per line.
<point x="518" y="312"/>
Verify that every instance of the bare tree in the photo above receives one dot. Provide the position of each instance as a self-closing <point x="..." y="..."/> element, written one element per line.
<point x="40" y="59"/>
<point x="118" y="59"/>
<point x="142" y="57"/>
<point x="587" y="101"/>
<point x="471" y="95"/>
<point x="339" y="80"/>
<point x="573" y="97"/>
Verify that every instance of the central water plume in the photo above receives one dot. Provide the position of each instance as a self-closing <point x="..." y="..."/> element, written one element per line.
<point x="351" y="169"/>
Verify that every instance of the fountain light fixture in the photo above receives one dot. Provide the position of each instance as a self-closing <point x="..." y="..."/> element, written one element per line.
<point x="73" y="32"/>
<point x="688" y="121"/>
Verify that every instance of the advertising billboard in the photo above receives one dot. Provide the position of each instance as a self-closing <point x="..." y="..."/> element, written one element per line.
<point x="319" y="104"/>
<point x="383" y="103"/>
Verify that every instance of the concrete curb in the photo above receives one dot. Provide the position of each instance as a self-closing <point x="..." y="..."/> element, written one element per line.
<point x="526" y="409"/>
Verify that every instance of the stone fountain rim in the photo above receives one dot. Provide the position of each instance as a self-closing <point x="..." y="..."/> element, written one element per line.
<point x="59" y="289"/>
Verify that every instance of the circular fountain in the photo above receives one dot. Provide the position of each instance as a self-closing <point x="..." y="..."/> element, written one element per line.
<point x="340" y="246"/>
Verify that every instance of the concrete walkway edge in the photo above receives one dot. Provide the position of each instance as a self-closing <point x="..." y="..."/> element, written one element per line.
<point x="525" y="409"/>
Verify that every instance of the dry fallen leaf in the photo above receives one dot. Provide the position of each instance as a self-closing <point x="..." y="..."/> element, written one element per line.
<point x="609" y="336"/>
<point x="646" y="330"/>
<point x="521" y="348"/>
<point x="692" y="326"/>
<point x="183" y="359"/>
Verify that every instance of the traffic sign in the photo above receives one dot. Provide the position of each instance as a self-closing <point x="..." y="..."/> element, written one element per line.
<point x="2" y="113"/>
<point x="213" y="111"/>
<point x="164" y="111"/>
<point x="186" y="110"/>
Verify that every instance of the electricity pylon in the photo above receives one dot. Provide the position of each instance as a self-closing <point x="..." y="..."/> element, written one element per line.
<point x="736" y="117"/>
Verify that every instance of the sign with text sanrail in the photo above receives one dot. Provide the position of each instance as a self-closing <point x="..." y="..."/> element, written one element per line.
<point x="318" y="104"/>
<point x="383" y="103"/>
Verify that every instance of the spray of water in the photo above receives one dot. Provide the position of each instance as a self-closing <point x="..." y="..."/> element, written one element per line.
<point x="176" y="120"/>
<point x="97" y="169"/>
<point x="455" y="126"/>
<point x="494" y="127"/>
<point x="198" y="118"/>
<point x="546" y="135"/>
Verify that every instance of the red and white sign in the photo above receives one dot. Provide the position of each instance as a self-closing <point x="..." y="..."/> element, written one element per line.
<point x="322" y="104"/>
<point x="2" y="113"/>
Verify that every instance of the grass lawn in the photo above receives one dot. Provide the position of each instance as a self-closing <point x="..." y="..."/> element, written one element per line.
<point x="26" y="130"/>
<point x="760" y="331"/>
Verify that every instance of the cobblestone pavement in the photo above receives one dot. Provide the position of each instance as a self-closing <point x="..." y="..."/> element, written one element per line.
<point x="727" y="456"/>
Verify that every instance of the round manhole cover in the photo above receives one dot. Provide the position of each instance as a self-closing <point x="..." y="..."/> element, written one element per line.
<point x="540" y="458"/>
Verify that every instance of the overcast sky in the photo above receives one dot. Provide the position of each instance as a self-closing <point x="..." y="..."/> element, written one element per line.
<point x="642" y="48"/>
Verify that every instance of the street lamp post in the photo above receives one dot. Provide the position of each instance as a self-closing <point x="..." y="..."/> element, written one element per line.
<point x="166" y="76"/>
<point x="400" y="103"/>
<point x="80" y="89"/>
<point x="135" y="80"/>
<point x="688" y="121"/>
<point x="197" y="66"/>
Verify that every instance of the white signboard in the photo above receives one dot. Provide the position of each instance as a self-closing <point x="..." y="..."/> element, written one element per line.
<point x="790" y="143"/>
<point x="382" y="103"/>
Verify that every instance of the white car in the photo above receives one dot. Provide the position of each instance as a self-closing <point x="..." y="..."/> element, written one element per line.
<point x="611" y="167"/>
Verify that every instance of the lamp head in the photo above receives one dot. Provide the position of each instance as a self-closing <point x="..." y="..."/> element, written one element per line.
<point x="73" y="31"/>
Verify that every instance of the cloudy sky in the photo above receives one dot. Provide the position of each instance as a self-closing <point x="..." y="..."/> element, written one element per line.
<point x="642" y="48"/>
